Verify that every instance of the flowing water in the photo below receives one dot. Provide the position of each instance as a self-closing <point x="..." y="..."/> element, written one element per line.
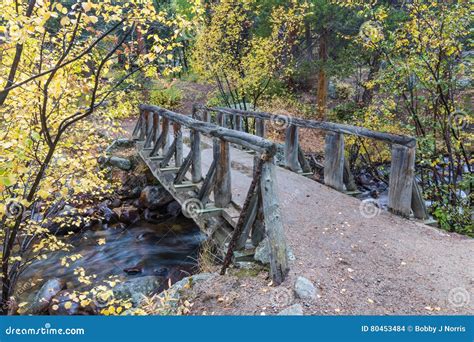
<point x="169" y="250"/>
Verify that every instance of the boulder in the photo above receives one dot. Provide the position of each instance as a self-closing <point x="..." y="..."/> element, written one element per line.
<point x="63" y="305"/>
<point x="154" y="197"/>
<point x="44" y="295"/>
<point x="305" y="289"/>
<point x="128" y="215"/>
<point x="294" y="310"/>
<point x="109" y="216"/>
<point x="137" y="288"/>
<point x="173" y="209"/>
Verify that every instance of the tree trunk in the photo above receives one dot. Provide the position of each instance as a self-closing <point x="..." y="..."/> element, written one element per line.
<point x="322" y="76"/>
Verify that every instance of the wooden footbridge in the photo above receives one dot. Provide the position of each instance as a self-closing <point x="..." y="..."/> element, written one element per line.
<point x="219" y="166"/>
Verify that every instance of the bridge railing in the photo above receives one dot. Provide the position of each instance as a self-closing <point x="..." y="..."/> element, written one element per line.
<point x="404" y="194"/>
<point x="260" y="214"/>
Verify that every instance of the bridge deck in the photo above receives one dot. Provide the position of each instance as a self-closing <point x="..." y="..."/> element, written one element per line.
<point x="392" y="261"/>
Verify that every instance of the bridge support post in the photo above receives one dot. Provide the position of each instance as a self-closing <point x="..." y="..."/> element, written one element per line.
<point x="291" y="148"/>
<point x="178" y="153"/>
<point x="260" y="127"/>
<point x="238" y="122"/>
<point x="196" y="173"/>
<point x="273" y="224"/>
<point x="149" y="129"/>
<point x="143" y="123"/>
<point x="165" y="127"/>
<point x="402" y="172"/>
<point x="222" y="187"/>
<point x="334" y="161"/>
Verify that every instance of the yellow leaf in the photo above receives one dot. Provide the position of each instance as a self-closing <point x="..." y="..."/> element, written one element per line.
<point x="86" y="6"/>
<point x="65" y="21"/>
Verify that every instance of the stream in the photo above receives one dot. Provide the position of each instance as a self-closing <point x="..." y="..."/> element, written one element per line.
<point x="169" y="250"/>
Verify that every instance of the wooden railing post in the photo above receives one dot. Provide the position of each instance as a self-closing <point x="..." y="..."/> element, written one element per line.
<point x="222" y="187"/>
<point x="196" y="173"/>
<point x="238" y="122"/>
<point x="149" y="129"/>
<point x="260" y="127"/>
<point x="291" y="148"/>
<point x="165" y="126"/>
<point x="143" y="123"/>
<point x="402" y="172"/>
<point x="334" y="160"/>
<point x="178" y="135"/>
<point x="273" y="224"/>
<point x="220" y="119"/>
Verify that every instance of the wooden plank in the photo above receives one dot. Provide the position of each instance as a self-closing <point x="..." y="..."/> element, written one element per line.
<point x="222" y="186"/>
<point x="169" y="154"/>
<point x="137" y="127"/>
<point x="291" y="148"/>
<point x="207" y="184"/>
<point x="334" y="161"/>
<point x="402" y="171"/>
<point x="221" y="119"/>
<point x="273" y="224"/>
<point x="196" y="171"/>
<point x="178" y="153"/>
<point x="328" y="126"/>
<point x="250" y="217"/>
<point x="306" y="168"/>
<point x="183" y="169"/>
<point x="418" y="204"/>
<point x="165" y="128"/>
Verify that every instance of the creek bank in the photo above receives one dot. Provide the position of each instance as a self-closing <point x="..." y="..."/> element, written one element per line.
<point x="136" y="239"/>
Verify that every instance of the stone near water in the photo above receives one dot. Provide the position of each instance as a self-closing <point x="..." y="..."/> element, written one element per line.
<point x="294" y="310"/>
<point x="44" y="295"/>
<point x="109" y="216"/>
<point x="120" y="163"/>
<point x="137" y="288"/>
<point x="154" y="197"/>
<point x="128" y="214"/>
<point x="173" y="209"/>
<point x="304" y="288"/>
<point x="63" y="305"/>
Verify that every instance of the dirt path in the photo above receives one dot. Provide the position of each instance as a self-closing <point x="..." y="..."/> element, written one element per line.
<point x="360" y="265"/>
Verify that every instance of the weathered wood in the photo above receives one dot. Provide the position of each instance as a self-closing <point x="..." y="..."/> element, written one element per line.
<point x="156" y="127"/>
<point x="137" y="127"/>
<point x="196" y="172"/>
<point x="250" y="217"/>
<point x="260" y="127"/>
<point x="165" y="128"/>
<point x="178" y="136"/>
<point x="222" y="186"/>
<point x="291" y="148"/>
<point x="402" y="172"/>
<point x="149" y="129"/>
<point x="207" y="184"/>
<point x="334" y="161"/>
<point x="244" y="217"/>
<point x="143" y="123"/>
<point x="183" y="169"/>
<point x="418" y="204"/>
<point x="327" y="126"/>
<point x="348" y="177"/>
<point x="273" y="224"/>
<point x="238" y="122"/>
<point x="240" y="138"/>
<point x="303" y="161"/>
<point x="169" y="154"/>
<point x="221" y="119"/>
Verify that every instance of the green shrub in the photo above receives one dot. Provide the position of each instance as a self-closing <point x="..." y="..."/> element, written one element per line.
<point x="167" y="97"/>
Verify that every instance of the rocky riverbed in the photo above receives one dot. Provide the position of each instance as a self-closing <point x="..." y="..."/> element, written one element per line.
<point x="133" y="244"/>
